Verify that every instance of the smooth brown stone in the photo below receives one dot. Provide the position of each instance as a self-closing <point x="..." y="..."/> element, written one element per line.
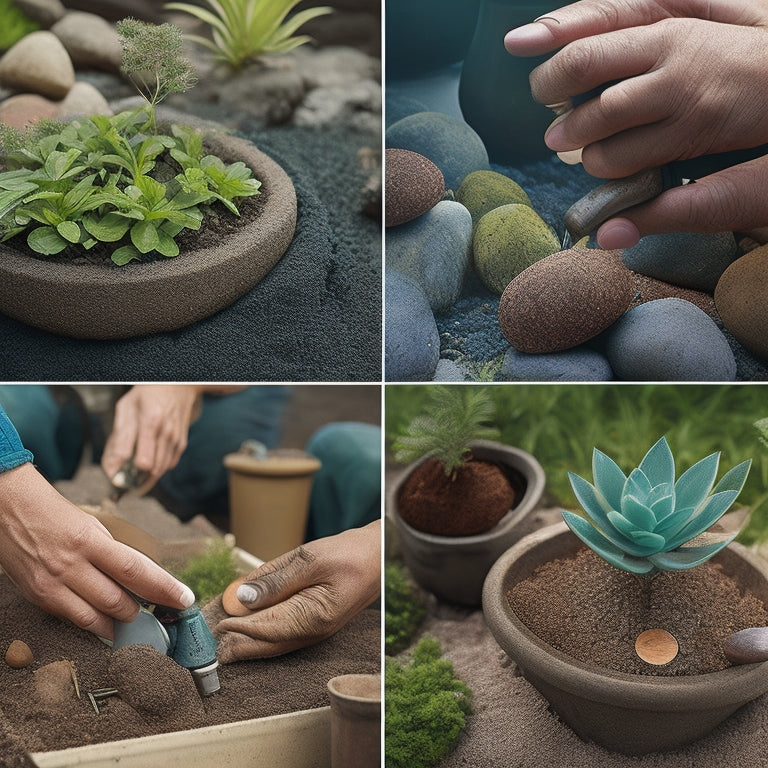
<point x="656" y="646"/>
<point x="748" y="646"/>
<point x="230" y="602"/>
<point x="414" y="185"/>
<point x="18" y="655"/>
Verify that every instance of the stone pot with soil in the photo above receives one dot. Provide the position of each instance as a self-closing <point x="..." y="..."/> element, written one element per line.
<point x="104" y="301"/>
<point x="453" y="565"/>
<point x="630" y="649"/>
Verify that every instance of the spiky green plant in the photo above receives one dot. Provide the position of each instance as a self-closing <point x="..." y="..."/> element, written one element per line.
<point x="647" y="522"/>
<point x="242" y="30"/>
<point x="453" y="418"/>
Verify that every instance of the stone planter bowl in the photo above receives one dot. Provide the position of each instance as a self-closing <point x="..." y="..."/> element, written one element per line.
<point x="631" y="714"/>
<point x="103" y="301"/>
<point x="453" y="567"/>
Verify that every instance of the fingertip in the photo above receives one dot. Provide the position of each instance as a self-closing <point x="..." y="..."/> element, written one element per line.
<point x="248" y="595"/>
<point x="187" y="596"/>
<point x="619" y="233"/>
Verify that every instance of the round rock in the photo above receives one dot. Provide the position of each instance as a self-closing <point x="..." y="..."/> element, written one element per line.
<point x="741" y="298"/>
<point x="668" y="340"/>
<point x="18" y="655"/>
<point x="447" y="141"/>
<point x="26" y="108"/>
<point x="482" y="191"/>
<point x="748" y="646"/>
<point x="434" y="251"/>
<point x="688" y="259"/>
<point x="564" y="300"/>
<point x="38" y="63"/>
<point x="412" y="342"/>
<point x="508" y="240"/>
<point x="578" y="364"/>
<point x="84" y="99"/>
<point x="413" y="186"/>
<point x="92" y="42"/>
<point x="45" y="12"/>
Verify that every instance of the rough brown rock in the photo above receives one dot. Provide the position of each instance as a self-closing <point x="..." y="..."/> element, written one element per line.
<point x="414" y="185"/>
<point x="564" y="300"/>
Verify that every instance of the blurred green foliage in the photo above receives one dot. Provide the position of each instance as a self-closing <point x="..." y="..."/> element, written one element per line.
<point x="403" y="608"/>
<point x="13" y="24"/>
<point x="560" y="424"/>
<point x="210" y="573"/>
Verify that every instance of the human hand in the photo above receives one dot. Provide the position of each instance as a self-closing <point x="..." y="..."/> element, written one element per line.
<point x="151" y="426"/>
<point x="304" y="596"/>
<point x="64" y="560"/>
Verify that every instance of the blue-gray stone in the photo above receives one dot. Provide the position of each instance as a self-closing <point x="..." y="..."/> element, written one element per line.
<point x="434" y="250"/>
<point x="688" y="259"/>
<point x="447" y="370"/>
<point x="447" y="141"/>
<point x="436" y="91"/>
<point x="577" y="364"/>
<point x="412" y="343"/>
<point x="668" y="340"/>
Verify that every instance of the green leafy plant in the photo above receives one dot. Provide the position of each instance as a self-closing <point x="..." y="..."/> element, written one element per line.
<point x="647" y="522"/>
<point x="453" y="418"/>
<point x="210" y="573"/>
<point x="403" y="608"/>
<point x="426" y="708"/>
<point x="242" y="30"/>
<point x="15" y="24"/>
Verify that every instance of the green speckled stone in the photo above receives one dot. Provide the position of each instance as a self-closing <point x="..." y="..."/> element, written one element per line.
<point x="508" y="240"/>
<point x="482" y="191"/>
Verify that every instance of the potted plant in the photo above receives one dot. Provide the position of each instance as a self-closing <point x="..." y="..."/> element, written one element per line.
<point x="464" y="498"/>
<point x="93" y="213"/>
<point x="648" y="540"/>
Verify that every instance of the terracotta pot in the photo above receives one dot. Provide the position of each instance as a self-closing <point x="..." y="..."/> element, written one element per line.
<point x="355" y="721"/>
<point x="632" y="714"/>
<point x="103" y="301"/>
<point x="454" y="567"/>
<point x="494" y="91"/>
<point x="269" y="500"/>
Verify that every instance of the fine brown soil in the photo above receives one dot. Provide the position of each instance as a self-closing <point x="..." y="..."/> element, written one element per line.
<point x="585" y="607"/>
<point x="39" y="710"/>
<point x="471" y="502"/>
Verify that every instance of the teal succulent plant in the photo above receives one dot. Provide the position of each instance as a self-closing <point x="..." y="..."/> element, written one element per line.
<point x="647" y="522"/>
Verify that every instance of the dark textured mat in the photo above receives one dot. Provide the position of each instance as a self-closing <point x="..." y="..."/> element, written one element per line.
<point x="315" y="317"/>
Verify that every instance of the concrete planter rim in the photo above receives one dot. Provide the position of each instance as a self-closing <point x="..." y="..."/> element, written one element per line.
<point x="92" y="301"/>
<point x="735" y="685"/>
<point x="522" y="461"/>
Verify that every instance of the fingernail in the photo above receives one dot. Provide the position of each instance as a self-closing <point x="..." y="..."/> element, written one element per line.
<point x="618" y="233"/>
<point x="247" y="594"/>
<point x="554" y="136"/>
<point x="528" y="36"/>
<point x="187" y="597"/>
<point x="573" y="157"/>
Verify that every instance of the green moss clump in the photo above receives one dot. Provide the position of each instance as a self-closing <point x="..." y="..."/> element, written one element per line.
<point x="209" y="574"/>
<point x="426" y="708"/>
<point x="508" y="240"/>
<point x="483" y="191"/>
<point x="403" y="608"/>
<point x="15" y="24"/>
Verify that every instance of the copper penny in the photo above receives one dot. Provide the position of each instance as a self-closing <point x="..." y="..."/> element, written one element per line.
<point x="656" y="646"/>
<point x="230" y="602"/>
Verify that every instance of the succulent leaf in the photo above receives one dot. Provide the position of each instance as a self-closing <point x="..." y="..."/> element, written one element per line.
<point x="645" y="521"/>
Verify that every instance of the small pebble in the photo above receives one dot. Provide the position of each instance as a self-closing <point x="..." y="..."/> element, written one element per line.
<point x="564" y="300"/>
<point x="748" y="646"/>
<point x="413" y="186"/>
<point x="18" y="655"/>
<point x="656" y="646"/>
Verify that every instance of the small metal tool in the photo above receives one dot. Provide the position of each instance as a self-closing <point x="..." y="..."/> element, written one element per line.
<point x="127" y="478"/>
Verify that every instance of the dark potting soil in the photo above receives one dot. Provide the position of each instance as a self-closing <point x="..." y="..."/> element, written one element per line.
<point x="470" y="502"/>
<point x="590" y="610"/>
<point x="40" y="712"/>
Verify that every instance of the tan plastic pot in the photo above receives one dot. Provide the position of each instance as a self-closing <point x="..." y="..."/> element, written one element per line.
<point x="453" y="567"/>
<point x="103" y="301"/>
<point x="355" y="721"/>
<point x="269" y="500"/>
<point x="632" y="714"/>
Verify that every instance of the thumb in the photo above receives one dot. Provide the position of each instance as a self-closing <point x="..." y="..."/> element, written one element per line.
<point x="735" y="199"/>
<point x="277" y="580"/>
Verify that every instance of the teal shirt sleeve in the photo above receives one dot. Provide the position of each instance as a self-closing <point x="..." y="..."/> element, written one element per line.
<point x="12" y="452"/>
